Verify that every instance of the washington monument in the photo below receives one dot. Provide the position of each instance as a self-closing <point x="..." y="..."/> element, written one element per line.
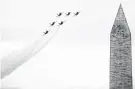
<point x="120" y="53"/>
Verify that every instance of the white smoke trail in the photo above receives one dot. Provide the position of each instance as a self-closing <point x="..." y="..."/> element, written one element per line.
<point x="12" y="61"/>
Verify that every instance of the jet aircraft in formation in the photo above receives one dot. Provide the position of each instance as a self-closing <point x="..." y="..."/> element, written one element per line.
<point x="59" y="14"/>
<point x="52" y="24"/>
<point x="46" y="32"/>
<point x="62" y="22"/>
<point x="67" y="14"/>
<point x="77" y="13"/>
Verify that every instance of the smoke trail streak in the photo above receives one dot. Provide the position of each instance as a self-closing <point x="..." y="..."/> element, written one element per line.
<point x="15" y="59"/>
<point x="12" y="61"/>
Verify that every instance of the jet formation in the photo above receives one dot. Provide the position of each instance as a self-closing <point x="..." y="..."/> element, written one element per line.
<point x="52" y="24"/>
<point x="62" y="22"/>
<point x="77" y="13"/>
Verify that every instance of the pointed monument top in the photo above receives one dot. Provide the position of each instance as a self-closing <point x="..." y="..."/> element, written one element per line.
<point x="120" y="15"/>
<point x="120" y="5"/>
<point x="120" y="8"/>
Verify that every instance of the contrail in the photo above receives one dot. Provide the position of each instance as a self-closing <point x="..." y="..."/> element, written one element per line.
<point x="12" y="61"/>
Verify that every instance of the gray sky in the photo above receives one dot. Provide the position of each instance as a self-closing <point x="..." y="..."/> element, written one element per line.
<point x="70" y="60"/>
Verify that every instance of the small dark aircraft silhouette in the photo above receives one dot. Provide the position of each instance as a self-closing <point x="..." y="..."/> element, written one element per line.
<point x="59" y="14"/>
<point x="67" y="14"/>
<point x="77" y="13"/>
<point x="61" y="23"/>
<point x="51" y="24"/>
<point x="46" y="32"/>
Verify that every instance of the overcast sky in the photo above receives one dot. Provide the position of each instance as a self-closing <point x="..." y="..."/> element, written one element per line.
<point x="77" y="57"/>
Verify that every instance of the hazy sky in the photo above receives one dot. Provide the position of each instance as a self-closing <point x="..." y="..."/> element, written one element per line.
<point x="77" y="57"/>
<point x="27" y="19"/>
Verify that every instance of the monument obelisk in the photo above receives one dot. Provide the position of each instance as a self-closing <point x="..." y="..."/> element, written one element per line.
<point x="120" y="53"/>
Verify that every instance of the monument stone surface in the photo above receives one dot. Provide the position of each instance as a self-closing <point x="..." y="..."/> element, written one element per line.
<point x="120" y="53"/>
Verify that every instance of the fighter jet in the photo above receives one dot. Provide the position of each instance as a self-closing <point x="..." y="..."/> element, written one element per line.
<point x="59" y="14"/>
<point x="61" y="23"/>
<point x="52" y="24"/>
<point x="77" y="13"/>
<point x="46" y="32"/>
<point x="67" y="14"/>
